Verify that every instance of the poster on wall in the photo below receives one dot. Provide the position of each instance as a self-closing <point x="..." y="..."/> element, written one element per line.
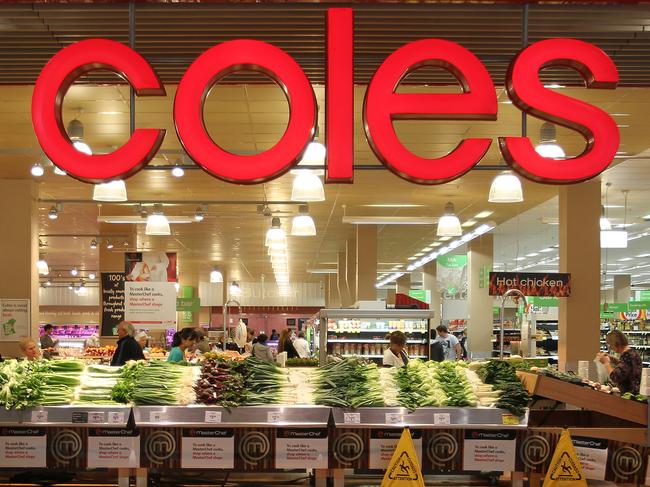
<point x="531" y="284"/>
<point x="451" y="272"/>
<point x="150" y="304"/>
<point x="112" y="301"/>
<point x="14" y="319"/>
<point x="150" y="266"/>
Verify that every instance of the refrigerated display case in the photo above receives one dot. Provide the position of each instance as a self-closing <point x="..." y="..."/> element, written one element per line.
<point x="362" y="332"/>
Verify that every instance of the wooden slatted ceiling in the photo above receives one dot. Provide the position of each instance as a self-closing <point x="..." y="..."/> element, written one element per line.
<point x="172" y="35"/>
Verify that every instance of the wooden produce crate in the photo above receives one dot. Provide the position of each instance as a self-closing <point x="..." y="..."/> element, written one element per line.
<point x="584" y="397"/>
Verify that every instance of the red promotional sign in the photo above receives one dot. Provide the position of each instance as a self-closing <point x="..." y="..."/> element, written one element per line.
<point x="382" y="106"/>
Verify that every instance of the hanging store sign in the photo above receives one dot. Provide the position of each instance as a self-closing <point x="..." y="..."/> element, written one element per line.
<point x="112" y="301"/>
<point x="382" y="106"/>
<point x="530" y="284"/>
<point x="150" y="304"/>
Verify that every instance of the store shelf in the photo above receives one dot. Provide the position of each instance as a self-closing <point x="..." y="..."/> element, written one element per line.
<point x="370" y="340"/>
<point x="584" y="397"/>
<point x="376" y="356"/>
<point x="636" y="332"/>
<point x="375" y="331"/>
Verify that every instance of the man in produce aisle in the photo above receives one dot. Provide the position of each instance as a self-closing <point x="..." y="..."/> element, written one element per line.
<point x="127" y="347"/>
<point x="48" y="344"/>
<point x="28" y="348"/>
<point x="450" y="344"/>
<point x="301" y="345"/>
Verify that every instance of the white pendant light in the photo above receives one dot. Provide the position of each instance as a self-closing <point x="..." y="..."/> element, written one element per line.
<point x="41" y="265"/>
<point x="53" y="214"/>
<point x="114" y="191"/>
<point x="157" y="223"/>
<point x="235" y="290"/>
<point x="93" y="244"/>
<point x="76" y="135"/>
<point x="613" y="239"/>
<point x="59" y="172"/>
<point x="548" y="146"/>
<point x="37" y="170"/>
<point x="303" y="224"/>
<point x="82" y="147"/>
<point x="178" y="171"/>
<point x="314" y="155"/>
<point x="216" y="276"/>
<point x="307" y="187"/>
<point x="275" y="235"/>
<point x="449" y="224"/>
<point x="92" y="276"/>
<point x="506" y="188"/>
<point x="74" y="271"/>
<point x="605" y="224"/>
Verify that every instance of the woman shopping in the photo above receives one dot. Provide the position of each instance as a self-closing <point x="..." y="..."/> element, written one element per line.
<point x="395" y="355"/>
<point x="624" y="371"/>
<point x="285" y="344"/>
<point x="182" y="340"/>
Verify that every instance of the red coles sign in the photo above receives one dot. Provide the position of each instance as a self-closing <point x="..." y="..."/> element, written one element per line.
<point x="382" y="105"/>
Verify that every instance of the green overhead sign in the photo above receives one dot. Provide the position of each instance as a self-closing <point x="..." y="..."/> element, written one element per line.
<point x="452" y="261"/>
<point x="544" y="301"/>
<point x="188" y="304"/>
<point x="421" y="295"/>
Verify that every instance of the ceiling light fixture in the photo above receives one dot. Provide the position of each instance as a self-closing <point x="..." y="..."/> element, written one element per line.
<point x="93" y="244"/>
<point x="216" y="276"/>
<point x="37" y="170"/>
<point x="483" y="214"/>
<point x="605" y="224"/>
<point x="157" y="223"/>
<point x="178" y="171"/>
<point x="74" y="271"/>
<point x="76" y="135"/>
<point x="41" y="265"/>
<point x="506" y="188"/>
<point x="53" y="214"/>
<point x="548" y="146"/>
<point x="92" y="276"/>
<point x="449" y="224"/>
<point x="275" y="235"/>
<point x="109" y="244"/>
<point x="307" y="186"/>
<point x="111" y="192"/>
<point x="303" y="224"/>
<point x="199" y="214"/>
<point x="235" y="290"/>
<point x="48" y="283"/>
<point x="71" y="286"/>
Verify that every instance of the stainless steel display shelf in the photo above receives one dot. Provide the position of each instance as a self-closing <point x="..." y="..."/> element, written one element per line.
<point x="244" y="416"/>
<point x="99" y="415"/>
<point x="448" y="418"/>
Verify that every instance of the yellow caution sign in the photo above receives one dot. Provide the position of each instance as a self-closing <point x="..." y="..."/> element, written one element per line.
<point x="565" y="468"/>
<point x="404" y="468"/>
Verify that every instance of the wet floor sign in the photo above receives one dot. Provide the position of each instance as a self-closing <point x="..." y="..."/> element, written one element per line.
<point x="404" y="468"/>
<point x="565" y="468"/>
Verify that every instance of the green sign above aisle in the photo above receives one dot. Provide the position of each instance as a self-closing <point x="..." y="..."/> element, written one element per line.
<point x="452" y="261"/>
<point x="421" y="295"/>
<point x="544" y="301"/>
<point x="188" y="304"/>
<point x="644" y="295"/>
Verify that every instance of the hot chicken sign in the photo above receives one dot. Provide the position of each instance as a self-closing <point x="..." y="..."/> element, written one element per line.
<point x="382" y="105"/>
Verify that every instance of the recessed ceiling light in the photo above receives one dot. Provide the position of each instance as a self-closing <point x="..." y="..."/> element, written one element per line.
<point x="419" y="254"/>
<point x="518" y="259"/>
<point x="641" y="256"/>
<point x="427" y="249"/>
<point x="444" y="239"/>
<point x="436" y="244"/>
<point x="532" y="254"/>
<point x="623" y="126"/>
<point x="469" y="223"/>
<point x="412" y="258"/>
<point x="483" y="214"/>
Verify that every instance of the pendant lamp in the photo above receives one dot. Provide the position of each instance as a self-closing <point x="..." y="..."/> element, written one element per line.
<point x="157" y="223"/>
<point x="449" y="224"/>
<point x="303" y="224"/>
<point x="112" y="192"/>
<point x="548" y="146"/>
<point x="506" y="188"/>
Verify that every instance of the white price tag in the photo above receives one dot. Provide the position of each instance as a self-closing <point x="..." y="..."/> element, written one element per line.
<point x="213" y="416"/>
<point x="352" y="418"/>
<point x="95" y="418"/>
<point x="157" y="417"/>
<point x="116" y="417"/>
<point x="394" y="418"/>
<point x="441" y="418"/>
<point x="274" y="417"/>
<point x="39" y="416"/>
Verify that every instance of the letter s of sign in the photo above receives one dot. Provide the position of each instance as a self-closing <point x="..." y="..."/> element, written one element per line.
<point x="217" y="63"/>
<point x="382" y="105"/>
<point x="528" y="94"/>
<point x="50" y="89"/>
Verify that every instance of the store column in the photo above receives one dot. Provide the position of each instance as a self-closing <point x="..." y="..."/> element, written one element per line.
<point x="188" y="280"/>
<point x="404" y="284"/>
<point x="351" y="268"/>
<point x="342" y="282"/>
<point x="19" y="223"/>
<point x="332" y="298"/>
<point x="622" y="291"/>
<point x="366" y="263"/>
<point x="430" y="283"/>
<point x="579" y="319"/>
<point x="480" y="323"/>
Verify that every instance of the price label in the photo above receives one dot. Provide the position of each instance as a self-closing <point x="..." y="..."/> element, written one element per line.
<point x="352" y="418"/>
<point x="213" y="416"/>
<point x="96" y="418"/>
<point x="441" y="418"/>
<point x="116" y="417"/>
<point x="157" y="417"/>
<point x="509" y="419"/>
<point x="39" y="416"/>
<point x="274" y="417"/>
<point x="394" y="418"/>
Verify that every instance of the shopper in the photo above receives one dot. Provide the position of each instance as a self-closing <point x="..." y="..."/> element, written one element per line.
<point x="250" y="341"/>
<point x="302" y="346"/>
<point x="450" y="344"/>
<point x="274" y="335"/>
<point x="624" y="372"/>
<point x="29" y="349"/>
<point x="395" y="355"/>
<point x="48" y="344"/>
<point x="184" y="339"/>
<point x="142" y="338"/>
<point x="261" y="350"/>
<point x="127" y="348"/>
<point x="203" y="342"/>
<point x="285" y="344"/>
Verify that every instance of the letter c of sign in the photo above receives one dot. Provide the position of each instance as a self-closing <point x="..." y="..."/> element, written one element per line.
<point x="217" y="63"/>
<point x="50" y="89"/>
<point x="382" y="106"/>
